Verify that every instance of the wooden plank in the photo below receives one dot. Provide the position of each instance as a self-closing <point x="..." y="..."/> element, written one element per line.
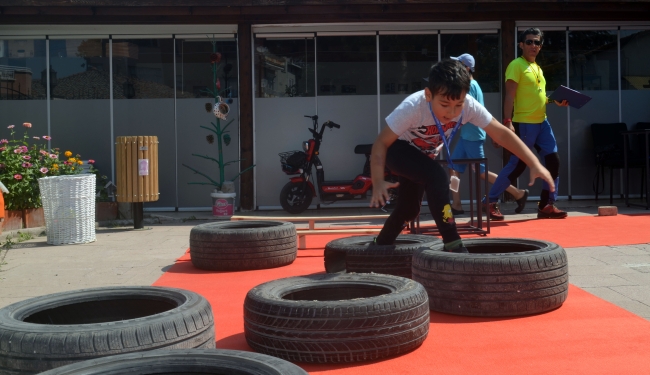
<point x="139" y="179"/>
<point x="310" y="218"/>
<point x="119" y="154"/>
<point x="132" y="167"/>
<point x="146" y="181"/>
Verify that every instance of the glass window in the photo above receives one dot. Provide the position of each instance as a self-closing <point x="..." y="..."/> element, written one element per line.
<point x="347" y="65"/>
<point x="194" y="73"/>
<point x="143" y="68"/>
<point x="635" y="70"/>
<point x="593" y="63"/>
<point x="284" y="68"/>
<point x="484" y="48"/>
<point x="404" y="60"/>
<point x="22" y="69"/>
<point x="552" y="59"/>
<point x="79" y="69"/>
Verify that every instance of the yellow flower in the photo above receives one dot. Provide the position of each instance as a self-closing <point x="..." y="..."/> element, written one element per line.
<point x="73" y="168"/>
<point x="67" y="154"/>
<point x="55" y="166"/>
<point x="80" y="162"/>
<point x="72" y="160"/>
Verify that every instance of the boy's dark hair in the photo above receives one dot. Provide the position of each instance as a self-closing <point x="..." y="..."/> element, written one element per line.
<point x="450" y="78"/>
<point x="531" y="31"/>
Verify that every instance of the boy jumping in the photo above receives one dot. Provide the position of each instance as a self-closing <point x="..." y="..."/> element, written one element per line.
<point x="412" y="139"/>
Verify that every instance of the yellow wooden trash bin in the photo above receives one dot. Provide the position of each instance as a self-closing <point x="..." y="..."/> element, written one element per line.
<point x="137" y="172"/>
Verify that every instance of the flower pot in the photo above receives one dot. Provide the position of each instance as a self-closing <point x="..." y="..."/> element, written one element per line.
<point x="223" y="205"/>
<point x="13" y="220"/>
<point x="105" y="211"/>
<point x="33" y="217"/>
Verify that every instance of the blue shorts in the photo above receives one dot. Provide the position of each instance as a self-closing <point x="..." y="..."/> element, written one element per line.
<point x="467" y="150"/>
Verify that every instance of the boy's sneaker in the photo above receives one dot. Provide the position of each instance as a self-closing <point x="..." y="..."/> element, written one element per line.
<point x="550" y="212"/>
<point x="494" y="211"/>
<point x="521" y="202"/>
<point x="459" y="249"/>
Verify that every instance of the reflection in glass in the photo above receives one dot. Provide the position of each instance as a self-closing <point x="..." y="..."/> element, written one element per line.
<point x="80" y="89"/>
<point x="484" y="48"/>
<point x="347" y="65"/>
<point x="143" y="69"/>
<point x="404" y="60"/>
<point x="635" y="71"/>
<point x="552" y="59"/>
<point x="284" y="68"/>
<point x="593" y="63"/>
<point x="79" y="69"/>
<point x="22" y="69"/>
<point x="194" y="73"/>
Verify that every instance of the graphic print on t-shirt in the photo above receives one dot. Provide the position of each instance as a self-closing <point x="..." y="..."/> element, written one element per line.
<point x="427" y="138"/>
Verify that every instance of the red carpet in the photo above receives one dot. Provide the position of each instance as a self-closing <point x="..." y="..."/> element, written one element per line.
<point x="579" y="231"/>
<point x="587" y="335"/>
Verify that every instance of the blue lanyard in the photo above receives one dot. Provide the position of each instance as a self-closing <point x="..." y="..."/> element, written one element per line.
<point x="442" y="133"/>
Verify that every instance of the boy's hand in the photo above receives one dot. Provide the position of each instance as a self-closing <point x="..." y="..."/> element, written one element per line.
<point x="544" y="174"/>
<point x="380" y="193"/>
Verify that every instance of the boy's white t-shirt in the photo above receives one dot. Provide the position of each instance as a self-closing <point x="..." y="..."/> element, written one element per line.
<point x="413" y="122"/>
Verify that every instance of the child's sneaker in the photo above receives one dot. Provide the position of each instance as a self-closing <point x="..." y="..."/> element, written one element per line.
<point x="493" y="210"/>
<point x="521" y="202"/>
<point x="550" y="212"/>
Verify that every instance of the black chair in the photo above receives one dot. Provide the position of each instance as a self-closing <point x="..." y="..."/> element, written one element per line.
<point x="608" y="152"/>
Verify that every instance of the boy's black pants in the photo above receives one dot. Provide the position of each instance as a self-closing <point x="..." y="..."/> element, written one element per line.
<point x="417" y="174"/>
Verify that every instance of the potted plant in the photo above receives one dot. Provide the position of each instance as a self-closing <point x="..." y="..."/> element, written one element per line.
<point x="222" y="198"/>
<point x="23" y="161"/>
<point x="105" y="206"/>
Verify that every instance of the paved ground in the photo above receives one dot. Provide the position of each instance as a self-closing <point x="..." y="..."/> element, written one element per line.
<point x="124" y="256"/>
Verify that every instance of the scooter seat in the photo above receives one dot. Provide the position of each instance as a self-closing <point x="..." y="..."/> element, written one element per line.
<point x="363" y="149"/>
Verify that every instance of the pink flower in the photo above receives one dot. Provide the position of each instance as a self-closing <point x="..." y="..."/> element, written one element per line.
<point x="44" y="170"/>
<point x="66" y="162"/>
<point x="27" y="165"/>
<point x="11" y="126"/>
<point x="2" y="149"/>
<point x="43" y="152"/>
<point x="47" y="137"/>
<point x="25" y="149"/>
<point x="18" y="151"/>
<point x="18" y="177"/>
<point x="27" y="157"/>
<point x="91" y="161"/>
<point x="3" y="141"/>
<point x="27" y="124"/>
<point x="36" y="137"/>
<point x="53" y="156"/>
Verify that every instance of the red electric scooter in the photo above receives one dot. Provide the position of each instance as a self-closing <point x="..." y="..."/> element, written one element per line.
<point x="297" y="194"/>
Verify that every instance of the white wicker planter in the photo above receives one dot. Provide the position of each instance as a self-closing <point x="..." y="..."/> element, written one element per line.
<point x="69" y="207"/>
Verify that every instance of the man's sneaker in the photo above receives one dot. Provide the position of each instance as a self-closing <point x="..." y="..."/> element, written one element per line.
<point x="550" y="212"/>
<point x="494" y="211"/>
<point x="521" y="202"/>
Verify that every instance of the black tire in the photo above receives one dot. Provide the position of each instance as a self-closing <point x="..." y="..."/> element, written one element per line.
<point x="359" y="254"/>
<point x="194" y="361"/>
<point x="335" y="318"/>
<point x="295" y="197"/>
<point x="243" y="245"/>
<point x="499" y="277"/>
<point x="54" y="330"/>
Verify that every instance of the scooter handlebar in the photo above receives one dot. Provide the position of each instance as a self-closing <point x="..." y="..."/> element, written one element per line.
<point x="333" y="125"/>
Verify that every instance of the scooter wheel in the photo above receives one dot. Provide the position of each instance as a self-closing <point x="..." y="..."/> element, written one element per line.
<point x="295" y="197"/>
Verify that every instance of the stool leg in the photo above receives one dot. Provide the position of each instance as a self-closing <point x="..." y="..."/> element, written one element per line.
<point x="302" y="244"/>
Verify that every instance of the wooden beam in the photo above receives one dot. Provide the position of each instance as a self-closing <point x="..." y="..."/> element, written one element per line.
<point x="244" y="45"/>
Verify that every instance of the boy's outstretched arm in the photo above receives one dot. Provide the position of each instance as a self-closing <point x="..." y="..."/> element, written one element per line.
<point x="377" y="165"/>
<point x="506" y="138"/>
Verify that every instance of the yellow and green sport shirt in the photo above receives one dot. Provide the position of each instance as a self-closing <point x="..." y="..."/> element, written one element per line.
<point x="530" y="99"/>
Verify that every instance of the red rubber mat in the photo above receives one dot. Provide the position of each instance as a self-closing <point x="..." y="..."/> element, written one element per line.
<point x="587" y="335"/>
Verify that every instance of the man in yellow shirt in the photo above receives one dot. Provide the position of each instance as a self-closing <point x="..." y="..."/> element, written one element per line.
<point x="526" y="95"/>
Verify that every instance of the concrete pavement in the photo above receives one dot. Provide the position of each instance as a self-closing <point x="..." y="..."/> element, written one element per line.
<point x="124" y="256"/>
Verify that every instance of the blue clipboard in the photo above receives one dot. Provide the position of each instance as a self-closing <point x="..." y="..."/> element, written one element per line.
<point x="575" y="98"/>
